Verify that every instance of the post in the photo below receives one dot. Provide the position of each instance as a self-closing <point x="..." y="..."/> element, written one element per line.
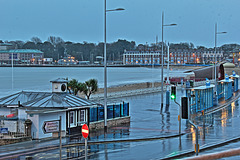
<point x="162" y="67"/>
<point x="60" y="138"/>
<point x="12" y="70"/>
<point x="167" y="92"/>
<point x="85" y="148"/>
<point x="105" y="67"/>
<point x="215" y="68"/>
<point x="179" y="116"/>
<point x="196" y="127"/>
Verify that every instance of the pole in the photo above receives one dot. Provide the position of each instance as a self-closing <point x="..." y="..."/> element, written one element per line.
<point x="168" y="67"/>
<point x="167" y="92"/>
<point x="105" y="67"/>
<point x="60" y="138"/>
<point x="179" y="116"/>
<point x="196" y="127"/>
<point x="162" y="68"/>
<point x="12" y="70"/>
<point x="215" y="67"/>
<point x="85" y="148"/>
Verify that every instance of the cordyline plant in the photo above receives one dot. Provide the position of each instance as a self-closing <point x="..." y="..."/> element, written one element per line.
<point x="88" y="88"/>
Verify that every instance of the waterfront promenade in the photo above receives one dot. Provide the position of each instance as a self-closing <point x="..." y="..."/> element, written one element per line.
<point x="150" y="135"/>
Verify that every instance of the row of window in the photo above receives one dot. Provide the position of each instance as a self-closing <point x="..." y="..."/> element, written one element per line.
<point x="76" y="117"/>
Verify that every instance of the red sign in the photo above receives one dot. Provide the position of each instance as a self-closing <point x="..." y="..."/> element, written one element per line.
<point x="85" y="131"/>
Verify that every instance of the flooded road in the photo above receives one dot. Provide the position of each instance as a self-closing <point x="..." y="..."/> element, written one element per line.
<point x="147" y="122"/>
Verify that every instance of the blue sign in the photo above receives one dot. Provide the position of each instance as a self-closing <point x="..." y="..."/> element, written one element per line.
<point x="234" y="73"/>
<point x="207" y="82"/>
<point x="4" y="130"/>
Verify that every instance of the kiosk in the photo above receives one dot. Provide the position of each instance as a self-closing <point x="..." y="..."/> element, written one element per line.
<point x="200" y="98"/>
<point x="235" y="78"/>
<point x="226" y="88"/>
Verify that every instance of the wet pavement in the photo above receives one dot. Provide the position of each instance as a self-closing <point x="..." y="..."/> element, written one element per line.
<point x="146" y="122"/>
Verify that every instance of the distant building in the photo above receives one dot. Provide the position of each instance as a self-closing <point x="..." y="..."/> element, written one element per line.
<point x="175" y="57"/>
<point x="68" y="60"/>
<point x="47" y="60"/>
<point x="19" y="56"/>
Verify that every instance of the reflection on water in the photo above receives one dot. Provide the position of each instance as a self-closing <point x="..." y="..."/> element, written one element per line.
<point x="95" y="150"/>
<point x="233" y="108"/>
<point x="224" y="118"/>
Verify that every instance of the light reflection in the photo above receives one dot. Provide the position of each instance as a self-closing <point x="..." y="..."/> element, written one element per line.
<point x="224" y="118"/>
<point x="193" y="135"/>
<point x="233" y="108"/>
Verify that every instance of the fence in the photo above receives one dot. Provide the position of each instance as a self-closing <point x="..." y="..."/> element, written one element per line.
<point x="12" y="129"/>
<point x="113" y="111"/>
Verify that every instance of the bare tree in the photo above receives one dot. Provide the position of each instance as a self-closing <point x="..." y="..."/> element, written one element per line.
<point x="55" y="40"/>
<point x="36" y="40"/>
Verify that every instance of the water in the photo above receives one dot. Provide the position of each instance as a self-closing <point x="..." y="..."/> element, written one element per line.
<point x="38" y="78"/>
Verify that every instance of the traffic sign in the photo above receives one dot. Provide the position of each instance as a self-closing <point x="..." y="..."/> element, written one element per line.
<point x="51" y="126"/>
<point x="85" y="131"/>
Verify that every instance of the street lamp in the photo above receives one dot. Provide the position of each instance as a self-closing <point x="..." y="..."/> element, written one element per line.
<point x="215" y="65"/>
<point x="105" y="61"/>
<point x="163" y="25"/>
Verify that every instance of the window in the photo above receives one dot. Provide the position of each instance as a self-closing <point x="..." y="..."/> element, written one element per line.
<point x="72" y="118"/>
<point x="82" y="115"/>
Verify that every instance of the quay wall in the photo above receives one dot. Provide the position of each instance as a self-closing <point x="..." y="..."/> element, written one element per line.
<point x="110" y="122"/>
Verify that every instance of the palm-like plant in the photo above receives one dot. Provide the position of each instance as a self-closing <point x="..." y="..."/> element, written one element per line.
<point x="91" y="86"/>
<point x="73" y="86"/>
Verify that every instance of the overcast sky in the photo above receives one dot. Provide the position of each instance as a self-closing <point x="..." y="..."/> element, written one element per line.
<point x="82" y="20"/>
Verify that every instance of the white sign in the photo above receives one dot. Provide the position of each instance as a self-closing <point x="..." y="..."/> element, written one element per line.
<point x="51" y="126"/>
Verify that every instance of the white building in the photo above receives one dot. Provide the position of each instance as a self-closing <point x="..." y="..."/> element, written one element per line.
<point x="39" y="107"/>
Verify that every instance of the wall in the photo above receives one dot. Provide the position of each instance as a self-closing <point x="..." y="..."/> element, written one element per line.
<point x="22" y="113"/>
<point x="35" y="125"/>
<point x="110" y="123"/>
<point x="50" y="117"/>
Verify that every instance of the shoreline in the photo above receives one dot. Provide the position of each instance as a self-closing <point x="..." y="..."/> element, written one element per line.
<point x="148" y="85"/>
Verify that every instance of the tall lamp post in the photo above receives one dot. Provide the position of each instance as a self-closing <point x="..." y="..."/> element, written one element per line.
<point x="105" y="61"/>
<point x="215" y="65"/>
<point x="163" y="25"/>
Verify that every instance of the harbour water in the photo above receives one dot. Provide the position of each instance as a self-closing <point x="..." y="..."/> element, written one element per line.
<point x="38" y="78"/>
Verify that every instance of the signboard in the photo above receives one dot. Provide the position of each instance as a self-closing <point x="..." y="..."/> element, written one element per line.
<point x="51" y="126"/>
<point x="4" y="130"/>
<point x="85" y="131"/>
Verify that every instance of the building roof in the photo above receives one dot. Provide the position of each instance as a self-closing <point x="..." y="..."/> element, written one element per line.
<point x="59" y="80"/>
<point x="226" y="81"/>
<point x="21" y="51"/>
<point x="45" y="100"/>
<point x="203" y="87"/>
<point x="5" y="44"/>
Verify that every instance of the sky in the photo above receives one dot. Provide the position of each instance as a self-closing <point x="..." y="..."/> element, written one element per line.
<point x="82" y="20"/>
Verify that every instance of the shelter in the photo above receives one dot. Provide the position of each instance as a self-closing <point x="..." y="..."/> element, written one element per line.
<point x="235" y="78"/>
<point x="200" y="98"/>
<point x="226" y="87"/>
<point x="208" y="72"/>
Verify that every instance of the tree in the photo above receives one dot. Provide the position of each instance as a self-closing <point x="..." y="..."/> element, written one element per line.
<point x="90" y="88"/>
<point x="29" y="45"/>
<point x="73" y="86"/>
<point x="55" y="40"/>
<point x="36" y="40"/>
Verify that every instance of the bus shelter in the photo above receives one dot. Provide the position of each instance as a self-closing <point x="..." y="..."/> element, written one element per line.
<point x="225" y="88"/>
<point x="200" y="98"/>
<point x="235" y="79"/>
